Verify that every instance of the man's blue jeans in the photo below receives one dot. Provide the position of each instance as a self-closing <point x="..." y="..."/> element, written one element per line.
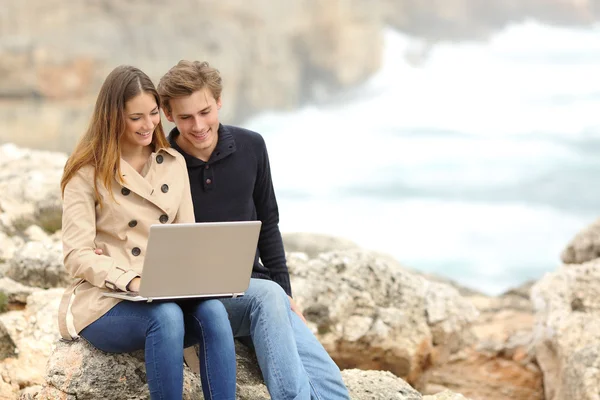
<point x="162" y="329"/>
<point x="293" y="362"/>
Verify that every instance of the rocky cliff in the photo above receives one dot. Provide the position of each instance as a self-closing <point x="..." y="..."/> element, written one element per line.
<point x="54" y="55"/>
<point x="476" y="19"/>
<point x="273" y="55"/>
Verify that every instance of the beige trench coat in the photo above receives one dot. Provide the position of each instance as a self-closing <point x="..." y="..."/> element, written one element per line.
<point x="161" y="194"/>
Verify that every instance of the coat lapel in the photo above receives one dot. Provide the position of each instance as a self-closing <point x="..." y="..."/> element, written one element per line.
<point x="141" y="186"/>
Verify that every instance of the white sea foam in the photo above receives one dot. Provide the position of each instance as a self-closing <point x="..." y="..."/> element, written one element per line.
<point x="458" y="164"/>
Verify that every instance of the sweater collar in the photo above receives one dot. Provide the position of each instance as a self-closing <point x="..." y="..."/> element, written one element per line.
<point x="225" y="146"/>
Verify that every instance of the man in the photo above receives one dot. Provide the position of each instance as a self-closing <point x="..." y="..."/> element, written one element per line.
<point x="230" y="180"/>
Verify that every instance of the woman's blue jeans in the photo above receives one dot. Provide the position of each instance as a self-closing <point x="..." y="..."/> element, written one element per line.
<point x="162" y="329"/>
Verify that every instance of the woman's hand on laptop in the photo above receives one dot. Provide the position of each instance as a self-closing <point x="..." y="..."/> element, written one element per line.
<point x="134" y="285"/>
<point x="296" y="309"/>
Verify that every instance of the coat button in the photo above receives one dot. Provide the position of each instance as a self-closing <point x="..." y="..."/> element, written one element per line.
<point x="132" y="223"/>
<point x="136" y="251"/>
<point x="125" y="191"/>
<point x="159" y="159"/>
<point x="206" y="166"/>
<point x="164" y="219"/>
<point x="208" y="181"/>
<point x="164" y="188"/>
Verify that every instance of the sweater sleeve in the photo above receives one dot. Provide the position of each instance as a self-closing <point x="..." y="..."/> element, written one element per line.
<point x="270" y="242"/>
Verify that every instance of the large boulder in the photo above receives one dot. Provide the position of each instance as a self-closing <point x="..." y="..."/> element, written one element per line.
<point x="28" y="339"/>
<point x="16" y="293"/>
<point x="446" y="395"/>
<point x="8" y="348"/>
<point x="32" y="356"/>
<point x="501" y="364"/>
<point x="77" y="370"/>
<point x="375" y="385"/>
<point x="313" y="244"/>
<point x="498" y="364"/>
<point x="370" y="313"/>
<point x="8" y="246"/>
<point x="585" y="246"/>
<point x="39" y="264"/>
<point x="29" y="188"/>
<point x="567" y="331"/>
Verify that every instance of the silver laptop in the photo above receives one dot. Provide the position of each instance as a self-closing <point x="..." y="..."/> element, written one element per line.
<point x="211" y="259"/>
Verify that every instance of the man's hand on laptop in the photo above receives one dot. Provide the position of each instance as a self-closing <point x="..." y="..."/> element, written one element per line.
<point x="296" y="309"/>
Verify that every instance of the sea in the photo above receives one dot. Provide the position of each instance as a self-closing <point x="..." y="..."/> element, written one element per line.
<point x="478" y="160"/>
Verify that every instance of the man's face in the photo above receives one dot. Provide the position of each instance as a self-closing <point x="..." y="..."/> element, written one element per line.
<point x="197" y="119"/>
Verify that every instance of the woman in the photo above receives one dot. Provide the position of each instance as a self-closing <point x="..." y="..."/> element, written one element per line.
<point x="121" y="178"/>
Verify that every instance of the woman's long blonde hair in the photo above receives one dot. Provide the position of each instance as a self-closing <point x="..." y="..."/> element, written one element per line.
<point x="100" y="146"/>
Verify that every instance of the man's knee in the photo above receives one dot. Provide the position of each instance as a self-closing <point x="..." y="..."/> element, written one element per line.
<point x="265" y="289"/>
<point x="268" y="296"/>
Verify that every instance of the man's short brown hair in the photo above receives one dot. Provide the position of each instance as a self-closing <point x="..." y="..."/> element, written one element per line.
<point x="186" y="78"/>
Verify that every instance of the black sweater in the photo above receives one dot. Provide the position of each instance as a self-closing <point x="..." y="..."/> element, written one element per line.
<point x="235" y="185"/>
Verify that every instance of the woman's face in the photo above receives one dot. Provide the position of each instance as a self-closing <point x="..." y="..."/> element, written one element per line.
<point x="141" y="117"/>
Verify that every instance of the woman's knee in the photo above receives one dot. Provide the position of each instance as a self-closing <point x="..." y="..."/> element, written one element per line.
<point x="211" y="310"/>
<point x="212" y="315"/>
<point x="167" y="320"/>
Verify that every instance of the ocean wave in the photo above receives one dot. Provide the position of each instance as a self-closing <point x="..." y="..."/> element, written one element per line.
<point x="478" y="161"/>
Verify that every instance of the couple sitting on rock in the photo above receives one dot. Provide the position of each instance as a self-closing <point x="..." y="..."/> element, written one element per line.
<point x="107" y="213"/>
